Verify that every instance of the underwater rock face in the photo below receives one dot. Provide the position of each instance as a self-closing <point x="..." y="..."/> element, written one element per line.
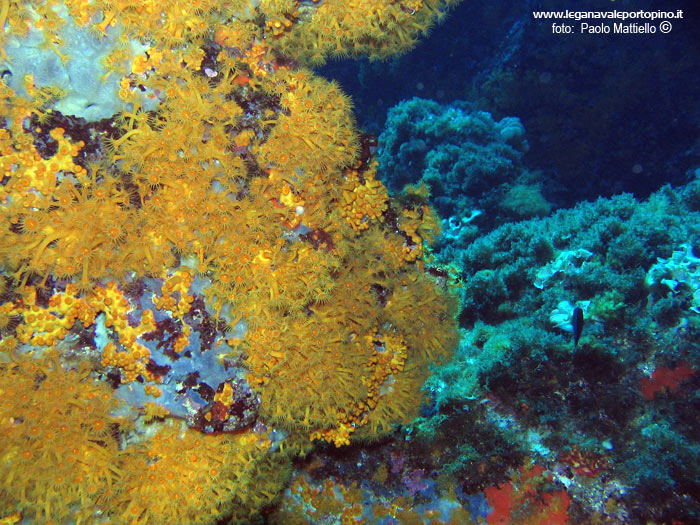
<point x="467" y="158"/>
<point x="217" y="306"/>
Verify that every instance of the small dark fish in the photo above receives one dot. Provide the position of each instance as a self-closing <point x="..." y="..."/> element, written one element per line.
<point x="577" y="323"/>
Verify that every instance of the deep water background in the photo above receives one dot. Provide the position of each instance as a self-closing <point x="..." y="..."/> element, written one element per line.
<point x="604" y="114"/>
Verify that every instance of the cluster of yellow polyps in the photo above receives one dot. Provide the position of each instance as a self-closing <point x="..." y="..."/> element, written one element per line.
<point x="232" y="162"/>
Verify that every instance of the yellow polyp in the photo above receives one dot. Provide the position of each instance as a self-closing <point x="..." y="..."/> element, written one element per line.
<point x="4" y="10"/>
<point x="63" y="57"/>
<point x="307" y="141"/>
<point x="85" y="279"/>
<point x="15" y="517"/>
<point x="126" y="136"/>
<point x="147" y="252"/>
<point x="148" y="153"/>
<point x="274" y="288"/>
<point x="264" y="257"/>
<point x="42" y="246"/>
<point x="106" y="21"/>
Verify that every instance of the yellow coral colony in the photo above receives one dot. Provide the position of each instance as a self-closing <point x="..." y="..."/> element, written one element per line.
<point x="228" y="189"/>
